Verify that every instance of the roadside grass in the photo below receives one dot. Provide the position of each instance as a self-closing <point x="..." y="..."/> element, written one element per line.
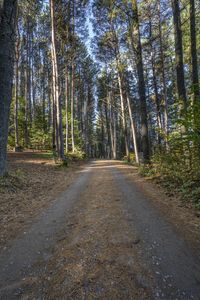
<point x="177" y="181"/>
<point x="45" y="155"/>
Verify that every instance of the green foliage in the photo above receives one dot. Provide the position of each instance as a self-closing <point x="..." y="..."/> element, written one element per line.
<point x="147" y="170"/>
<point x="78" y="155"/>
<point x="45" y="155"/>
<point x="177" y="169"/>
<point x="40" y="140"/>
<point x="130" y="159"/>
<point x="177" y="166"/>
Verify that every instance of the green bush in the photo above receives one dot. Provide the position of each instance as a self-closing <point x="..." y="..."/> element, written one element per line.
<point x="78" y="155"/>
<point x="177" y="167"/>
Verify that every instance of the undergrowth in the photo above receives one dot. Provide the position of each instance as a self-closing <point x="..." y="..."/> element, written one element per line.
<point x="11" y="182"/>
<point x="69" y="158"/>
<point x="177" y="173"/>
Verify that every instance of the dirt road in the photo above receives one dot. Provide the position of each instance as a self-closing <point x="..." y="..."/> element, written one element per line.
<point x="100" y="239"/>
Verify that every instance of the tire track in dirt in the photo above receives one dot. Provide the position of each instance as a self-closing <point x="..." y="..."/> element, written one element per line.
<point x="174" y="263"/>
<point x="102" y="239"/>
<point x="37" y="242"/>
<point x="97" y="258"/>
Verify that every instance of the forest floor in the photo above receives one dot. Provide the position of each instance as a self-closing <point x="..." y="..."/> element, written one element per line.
<point x="93" y="231"/>
<point x="33" y="182"/>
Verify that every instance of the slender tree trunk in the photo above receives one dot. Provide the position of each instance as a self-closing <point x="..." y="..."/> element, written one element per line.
<point x="114" y="137"/>
<point x="49" y="91"/>
<point x="28" y="66"/>
<point x="180" y="78"/>
<point x="141" y="83"/>
<point x="43" y="97"/>
<point x="26" y="135"/>
<point x="8" y="9"/>
<point x="59" y="133"/>
<point x="72" y="79"/>
<point x="66" y="113"/>
<point x="165" y="106"/>
<point x="85" y="121"/>
<point x="33" y="93"/>
<point x="195" y="77"/>
<point x="157" y="100"/>
<point x="111" y="127"/>
<point x="72" y="107"/>
<point x="123" y="114"/>
<point x="16" y="107"/>
<point x="122" y="91"/>
<point x="155" y="85"/>
<point x="133" y="132"/>
<point x="108" y="140"/>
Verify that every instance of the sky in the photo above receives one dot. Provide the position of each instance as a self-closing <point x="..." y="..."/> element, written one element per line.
<point x="90" y="29"/>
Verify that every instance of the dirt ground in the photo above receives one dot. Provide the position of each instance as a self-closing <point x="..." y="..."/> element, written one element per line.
<point x="120" y="238"/>
<point x="183" y="216"/>
<point x="97" y="258"/>
<point x="33" y="182"/>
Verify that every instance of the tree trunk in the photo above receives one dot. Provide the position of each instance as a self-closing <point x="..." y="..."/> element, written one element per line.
<point x="165" y="105"/>
<point x="123" y="113"/>
<point x="8" y="11"/>
<point x="66" y="113"/>
<point x="157" y="100"/>
<point x="155" y="85"/>
<point x="85" y="121"/>
<point x="141" y="83"/>
<point x="112" y="128"/>
<point x="28" y="66"/>
<point x="133" y="132"/>
<point x="72" y="107"/>
<point x="59" y="133"/>
<point x="114" y="137"/>
<point x="195" y="77"/>
<point x="180" y="78"/>
<point x="16" y="107"/>
<point x="26" y="106"/>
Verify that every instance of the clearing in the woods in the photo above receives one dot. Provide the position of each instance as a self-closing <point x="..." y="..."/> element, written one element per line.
<point x="93" y="231"/>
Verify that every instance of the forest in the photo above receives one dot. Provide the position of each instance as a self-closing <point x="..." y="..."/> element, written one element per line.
<point x="99" y="149"/>
<point x="103" y="79"/>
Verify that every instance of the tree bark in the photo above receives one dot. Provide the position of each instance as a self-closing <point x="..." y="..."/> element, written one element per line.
<point x="180" y="78"/>
<point x="8" y="10"/>
<point x="112" y="128"/>
<point x="195" y="77"/>
<point x="66" y="113"/>
<point x="141" y="83"/>
<point x="59" y="133"/>
<point x="16" y="107"/>
<point x="72" y="106"/>
<point x="133" y="132"/>
<point x="123" y="113"/>
<point x="165" y="105"/>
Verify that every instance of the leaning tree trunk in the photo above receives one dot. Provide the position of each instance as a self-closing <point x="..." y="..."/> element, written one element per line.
<point x="122" y="92"/>
<point x="123" y="113"/>
<point x="8" y="9"/>
<point x="133" y="131"/>
<point x="135" y="34"/>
